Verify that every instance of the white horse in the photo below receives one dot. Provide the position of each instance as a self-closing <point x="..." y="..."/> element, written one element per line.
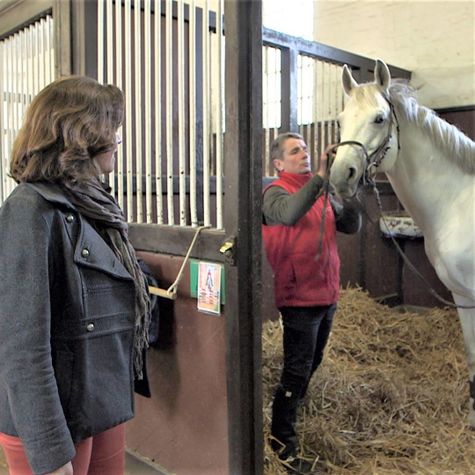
<point x="431" y="167"/>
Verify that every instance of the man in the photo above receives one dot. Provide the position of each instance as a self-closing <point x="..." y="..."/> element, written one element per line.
<point x="299" y="232"/>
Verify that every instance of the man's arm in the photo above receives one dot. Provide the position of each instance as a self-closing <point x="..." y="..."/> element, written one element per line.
<point x="281" y="207"/>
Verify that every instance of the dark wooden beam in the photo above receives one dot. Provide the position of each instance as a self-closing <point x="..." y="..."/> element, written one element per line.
<point x="243" y="171"/>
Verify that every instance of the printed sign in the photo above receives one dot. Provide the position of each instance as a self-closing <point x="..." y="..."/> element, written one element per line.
<point x="209" y="287"/>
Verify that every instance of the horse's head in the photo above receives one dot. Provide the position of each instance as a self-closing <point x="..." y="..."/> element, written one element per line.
<point x="367" y="123"/>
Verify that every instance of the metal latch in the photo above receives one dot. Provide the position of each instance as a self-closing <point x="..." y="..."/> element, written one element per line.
<point x="228" y="249"/>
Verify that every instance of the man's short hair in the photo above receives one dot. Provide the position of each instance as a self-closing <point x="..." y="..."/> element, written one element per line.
<point x="276" y="147"/>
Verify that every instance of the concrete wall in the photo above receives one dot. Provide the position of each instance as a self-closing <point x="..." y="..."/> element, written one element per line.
<point x="434" y="39"/>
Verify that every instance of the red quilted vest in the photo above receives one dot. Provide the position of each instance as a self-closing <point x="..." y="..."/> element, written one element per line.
<point x="300" y="280"/>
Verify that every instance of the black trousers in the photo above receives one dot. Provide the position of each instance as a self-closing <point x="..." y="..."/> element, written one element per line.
<point x="306" y="332"/>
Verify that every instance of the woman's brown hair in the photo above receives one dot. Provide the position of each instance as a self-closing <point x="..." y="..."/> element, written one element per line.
<point x="66" y="125"/>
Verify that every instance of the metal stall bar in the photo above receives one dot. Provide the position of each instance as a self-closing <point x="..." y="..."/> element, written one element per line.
<point x="219" y="129"/>
<point x="206" y="115"/>
<point x="118" y="83"/>
<point x="266" y="107"/>
<point x="243" y="171"/>
<point x="181" y="112"/>
<point x="110" y="64"/>
<point x="3" y="153"/>
<point x="51" y="48"/>
<point x="169" y="108"/>
<point x="321" y="115"/>
<point x="36" y="77"/>
<point x="128" y="108"/>
<point x="8" y="90"/>
<point x="138" y="110"/>
<point x="148" y="111"/>
<point x="14" y="84"/>
<point x="100" y="42"/>
<point x="192" y="95"/>
<point x="41" y="52"/>
<point x="158" y="111"/>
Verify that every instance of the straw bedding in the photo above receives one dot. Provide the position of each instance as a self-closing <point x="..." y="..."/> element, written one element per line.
<point x="391" y="396"/>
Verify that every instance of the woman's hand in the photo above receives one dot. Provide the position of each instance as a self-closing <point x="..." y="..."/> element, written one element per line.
<point x="64" y="470"/>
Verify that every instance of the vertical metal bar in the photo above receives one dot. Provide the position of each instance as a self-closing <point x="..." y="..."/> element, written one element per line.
<point x="52" y="49"/>
<point x="40" y="52"/>
<point x="192" y="93"/>
<point x="14" y="83"/>
<point x="118" y="81"/>
<point x="328" y="101"/>
<point x="138" y="109"/>
<point x="148" y="113"/>
<point x="206" y="116"/>
<point x="299" y="91"/>
<point x="46" y="52"/>
<point x="3" y="166"/>
<point x="316" y="99"/>
<point x="100" y="41"/>
<point x="181" y="112"/>
<point x="35" y="61"/>
<point x="158" y="111"/>
<point x="109" y="25"/>
<point x="169" y="110"/>
<point x="9" y="90"/>
<point x="22" y="79"/>
<point x="243" y="219"/>
<point x="277" y="85"/>
<point x="335" y="105"/>
<point x="219" y="130"/>
<point x="265" y="104"/>
<point x="128" y="109"/>
<point x="30" y="64"/>
<point x="322" y="106"/>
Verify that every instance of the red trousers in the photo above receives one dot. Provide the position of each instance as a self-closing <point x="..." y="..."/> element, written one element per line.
<point x="103" y="454"/>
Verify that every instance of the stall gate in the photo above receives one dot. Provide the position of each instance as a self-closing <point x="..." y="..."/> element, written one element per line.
<point x="26" y="66"/>
<point x="207" y="89"/>
<point x="168" y="57"/>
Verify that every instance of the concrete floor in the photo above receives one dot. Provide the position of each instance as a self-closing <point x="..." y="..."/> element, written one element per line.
<point x="133" y="466"/>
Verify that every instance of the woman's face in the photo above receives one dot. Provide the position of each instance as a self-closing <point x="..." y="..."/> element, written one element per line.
<point x="106" y="160"/>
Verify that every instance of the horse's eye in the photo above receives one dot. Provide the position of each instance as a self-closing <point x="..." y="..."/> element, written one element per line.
<point x="379" y="119"/>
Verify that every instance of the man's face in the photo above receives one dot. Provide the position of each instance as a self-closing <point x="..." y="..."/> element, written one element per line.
<point x="295" y="157"/>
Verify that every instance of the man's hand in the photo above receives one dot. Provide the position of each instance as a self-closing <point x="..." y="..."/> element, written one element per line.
<point x="323" y="162"/>
<point x="64" y="470"/>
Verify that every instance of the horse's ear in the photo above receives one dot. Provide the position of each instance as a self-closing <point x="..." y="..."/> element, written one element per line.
<point x="382" y="76"/>
<point x="347" y="79"/>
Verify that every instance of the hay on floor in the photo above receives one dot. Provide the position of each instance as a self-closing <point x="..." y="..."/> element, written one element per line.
<point x="391" y="396"/>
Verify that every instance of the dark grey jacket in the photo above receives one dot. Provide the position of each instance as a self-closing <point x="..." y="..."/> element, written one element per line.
<point x="66" y="327"/>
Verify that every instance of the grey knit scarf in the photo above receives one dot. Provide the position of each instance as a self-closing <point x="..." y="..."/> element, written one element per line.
<point x="94" y="202"/>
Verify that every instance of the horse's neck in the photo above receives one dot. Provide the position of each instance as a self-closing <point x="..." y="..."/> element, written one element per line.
<point x="423" y="178"/>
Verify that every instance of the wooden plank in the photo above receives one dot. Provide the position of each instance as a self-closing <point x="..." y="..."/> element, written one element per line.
<point x="175" y="240"/>
<point x="243" y="171"/>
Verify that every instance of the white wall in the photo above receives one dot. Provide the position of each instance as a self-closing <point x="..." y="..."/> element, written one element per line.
<point x="291" y="17"/>
<point x="434" y="39"/>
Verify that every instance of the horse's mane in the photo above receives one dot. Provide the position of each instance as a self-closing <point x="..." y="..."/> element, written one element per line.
<point x="455" y="144"/>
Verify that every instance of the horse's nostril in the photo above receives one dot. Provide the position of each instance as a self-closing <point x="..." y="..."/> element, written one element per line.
<point x="352" y="173"/>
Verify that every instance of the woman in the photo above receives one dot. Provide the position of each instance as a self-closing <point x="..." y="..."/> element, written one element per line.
<point x="73" y="301"/>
